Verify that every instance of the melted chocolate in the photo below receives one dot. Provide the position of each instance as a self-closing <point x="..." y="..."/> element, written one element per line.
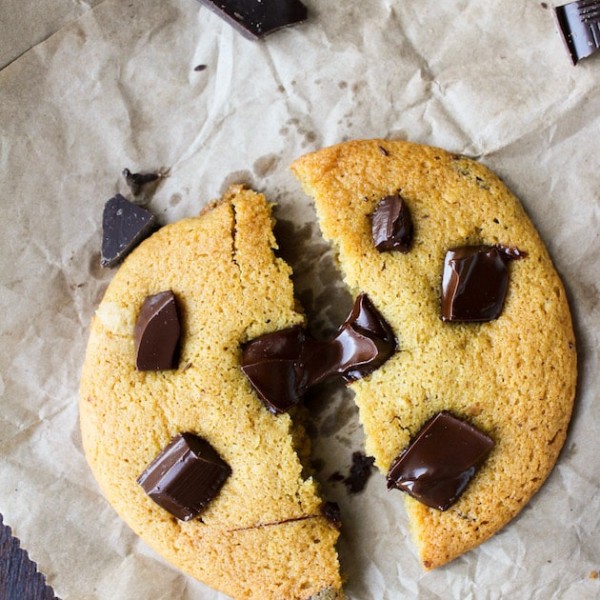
<point x="440" y="462"/>
<point x="185" y="477"/>
<point x="157" y="332"/>
<point x="281" y="366"/>
<point x="475" y="282"/>
<point x="391" y="225"/>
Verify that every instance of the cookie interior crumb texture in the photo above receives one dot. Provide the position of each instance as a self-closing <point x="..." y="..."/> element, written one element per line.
<point x="513" y="378"/>
<point x="264" y="535"/>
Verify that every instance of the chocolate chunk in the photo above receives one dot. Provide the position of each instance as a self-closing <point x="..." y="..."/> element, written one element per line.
<point x="360" y="472"/>
<point x="579" y="24"/>
<point x="273" y="365"/>
<point x="391" y="225"/>
<point x="156" y="333"/>
<point x="364" y="342"/>
<point x="440" y="462"/>
<point x="185" y="476"/>
<point x="281" y="366"/>
<point x="124" y="226"/>
<point x="136" y="181"/>
<point x="199" y="68"/>
<point x="475" y="282"/>
<point x="254" y="19"/>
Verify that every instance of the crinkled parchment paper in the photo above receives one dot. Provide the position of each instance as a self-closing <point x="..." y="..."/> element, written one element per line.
<point x="117" y="88"/>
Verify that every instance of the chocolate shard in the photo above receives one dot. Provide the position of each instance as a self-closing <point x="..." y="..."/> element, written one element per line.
<point x="391" y="225"/>
<point x="256" y="18"/>
<point x="579" y="25"/>
<point x="441" y="461"/>
<point x="124" y="226"/>
<point x="475" y="281"/>
<point x="281" y="366"/>
<point x="185" y="477"/>
<point x="136" y="181"/>
<point x="156" y="333"/>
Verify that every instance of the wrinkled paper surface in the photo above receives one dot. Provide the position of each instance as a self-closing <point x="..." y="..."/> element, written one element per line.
<point x="117" y="88"/>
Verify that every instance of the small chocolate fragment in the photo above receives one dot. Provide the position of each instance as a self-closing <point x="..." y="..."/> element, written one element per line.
<point x="579" y="24"/>
<point x="440" y="462"/>
<point x="360" y="472"/>
<point x="331" y="511"/>
<point x="185" y="476"/>
<point x="136" y="181"/>
<point x="391" y="225"/>
<point x="281" y="366"/>
<point x="124" y="226"/>
<point x="475" y="281"/>
<point x="157" y="332"/>
<point x="199" y="68"/>
<point x="256" y="18"/>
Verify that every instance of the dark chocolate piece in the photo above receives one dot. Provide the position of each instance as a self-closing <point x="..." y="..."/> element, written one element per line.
<point x="199" y="68"/>
<point x="281" y="366"/>
<point x="124" y="226"/>
<point x="440" y="462"/>
<point x="19" y="575"/>
<point x="157" y="332"/>
<point x="136" y="181"/>
<point x="256" y="18"/>
<point x="475" y="282"/>
<point x="185" y="476"/>
<point x="273" y="365"/>
<point x="391" y="225"/>
<point x="579" y="24"/>
<point x="360" y="472"/>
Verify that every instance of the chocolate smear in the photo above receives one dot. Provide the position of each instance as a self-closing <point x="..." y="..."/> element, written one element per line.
<point x="124" y="226"/>
<point x="156" y="333"/>
<point x="579" y="25"/>
<point x="256" y="18"/>
<point x="475" y="282"/>
<point x="440" y="462"/>
<point x="185" y="476"/>
<point x="283" y="365"/>
<point x="391" y="225"/>
<point x="136" y="181"/>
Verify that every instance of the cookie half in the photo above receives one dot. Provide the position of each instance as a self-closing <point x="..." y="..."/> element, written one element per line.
<point x="264" y="534"/>
<point x="512" y="378"/>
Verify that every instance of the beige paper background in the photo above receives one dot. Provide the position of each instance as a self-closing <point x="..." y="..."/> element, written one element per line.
<point x="117" y="89"/>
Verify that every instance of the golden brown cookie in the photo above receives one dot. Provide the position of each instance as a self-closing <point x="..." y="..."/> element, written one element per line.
<point x="513" y="378"/>
<point x="264" y="535"/>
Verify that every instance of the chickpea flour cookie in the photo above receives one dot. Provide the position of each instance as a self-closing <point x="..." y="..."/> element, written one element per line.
<point x="470" y="413"/>
<point x="181" y="445"/>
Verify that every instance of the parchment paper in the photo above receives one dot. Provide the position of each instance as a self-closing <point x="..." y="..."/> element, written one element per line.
<point x="117" y="88"/>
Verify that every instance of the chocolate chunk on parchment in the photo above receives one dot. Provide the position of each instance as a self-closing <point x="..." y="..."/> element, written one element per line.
<point x="124" y="226"/>
<point x="185" y="476"/>
<point x="440" y="462"/>
<point x="156" y="333"/>
<point x="579" y="25"/>
<point x="256" y="18"/>
<point x="475" y="282"/>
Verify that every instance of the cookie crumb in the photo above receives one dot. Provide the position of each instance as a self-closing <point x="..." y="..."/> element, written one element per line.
<point x="593" y="575"/>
